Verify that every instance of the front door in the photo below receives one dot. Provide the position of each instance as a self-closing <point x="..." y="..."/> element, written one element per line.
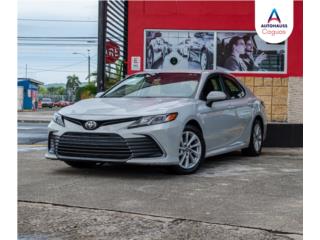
<point x="217" y="118"/>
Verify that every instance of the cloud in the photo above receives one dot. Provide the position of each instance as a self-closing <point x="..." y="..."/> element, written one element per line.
<point x="58" y="9"/>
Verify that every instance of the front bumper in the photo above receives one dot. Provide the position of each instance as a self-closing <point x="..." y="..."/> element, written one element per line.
<point x="166" y="136"/>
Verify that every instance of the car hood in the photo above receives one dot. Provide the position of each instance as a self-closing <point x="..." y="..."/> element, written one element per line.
<point x="105" y="108"/>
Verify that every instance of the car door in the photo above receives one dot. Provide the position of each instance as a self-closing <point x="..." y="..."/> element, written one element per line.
<point x="240" y="109"/>
<point x="216" y="118"/>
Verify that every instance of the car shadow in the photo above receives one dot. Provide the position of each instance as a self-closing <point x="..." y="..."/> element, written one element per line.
<point x="129" y="171"/>
<point x="126" y="171"/>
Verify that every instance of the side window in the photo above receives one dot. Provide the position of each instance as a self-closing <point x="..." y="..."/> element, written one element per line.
<point x="233" y="89"/>
<point x="212" y="84"/>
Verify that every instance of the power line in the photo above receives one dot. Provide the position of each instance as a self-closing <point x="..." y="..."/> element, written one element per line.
<point x="55" y="20"/>
<point x="58" y="44"/>
<point x="58" y="40"/>
<point x="61" y="67"/>
<point x="56" y="37"/>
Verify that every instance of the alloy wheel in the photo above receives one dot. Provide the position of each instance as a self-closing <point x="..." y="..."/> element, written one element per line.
<point x="257" y="137"/>
<point x="190" y="150"/>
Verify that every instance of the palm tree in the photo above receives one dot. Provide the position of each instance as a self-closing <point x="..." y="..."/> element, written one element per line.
<point x="72" y="85"/>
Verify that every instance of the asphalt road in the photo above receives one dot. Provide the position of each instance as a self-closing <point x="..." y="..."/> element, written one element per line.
<point x="31" y="133"/>
<point x="261" y="194"/>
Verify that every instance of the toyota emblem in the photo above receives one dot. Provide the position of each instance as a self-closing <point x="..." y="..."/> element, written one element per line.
<point x="90" y="125"/>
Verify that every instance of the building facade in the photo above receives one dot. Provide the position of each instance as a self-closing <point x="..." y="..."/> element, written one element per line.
<point x="170" y="27"/>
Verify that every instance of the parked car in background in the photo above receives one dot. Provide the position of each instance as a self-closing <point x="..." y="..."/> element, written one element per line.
<point x="183" y="47"/>
<point x="156" y="48"/>
<point x="144" y="119"/>
<point x="46" y="102"/>
<point x="61" y="103"/>
<point x="201" y="50"/>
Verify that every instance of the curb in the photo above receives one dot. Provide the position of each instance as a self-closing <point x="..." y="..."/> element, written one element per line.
<point x="34" y="121"/>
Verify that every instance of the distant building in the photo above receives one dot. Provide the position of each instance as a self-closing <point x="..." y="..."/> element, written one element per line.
<point x="28" y="89"/>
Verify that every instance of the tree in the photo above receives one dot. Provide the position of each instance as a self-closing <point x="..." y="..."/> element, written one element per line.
<point x="87" y="91"/>
<point x="56" y="90"/>
<point x="72" y="85"/>
<point x="43" y="90"/>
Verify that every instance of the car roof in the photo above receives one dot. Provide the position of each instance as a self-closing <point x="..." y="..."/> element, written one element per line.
<point x="203" y="73"/>
<point x="182" y="71"/>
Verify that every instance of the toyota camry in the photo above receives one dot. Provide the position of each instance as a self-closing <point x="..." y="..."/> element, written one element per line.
<point x="173" y="119"/>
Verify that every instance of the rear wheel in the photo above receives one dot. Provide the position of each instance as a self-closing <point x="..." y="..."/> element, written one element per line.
<point x="82" y="164"/>
<point x="255" y="146"/>
<point x="191" y="151"/>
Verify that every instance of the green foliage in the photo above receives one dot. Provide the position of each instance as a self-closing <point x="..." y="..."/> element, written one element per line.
<point x="72" y="85"/>
<point x="56" y="90"/>
<point x="43" y="90"/>
<point x="87" y="91"/>
<point x="112" y="78"/>
<point x="73" y="82"/>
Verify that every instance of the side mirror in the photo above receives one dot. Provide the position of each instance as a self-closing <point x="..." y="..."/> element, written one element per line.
<point x="215" y="96"/>
<point x="99" y="94"/>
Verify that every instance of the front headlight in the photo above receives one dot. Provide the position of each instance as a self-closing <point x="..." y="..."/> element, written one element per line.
<point x="57" y="118"/>
<point x="152" y="120"/>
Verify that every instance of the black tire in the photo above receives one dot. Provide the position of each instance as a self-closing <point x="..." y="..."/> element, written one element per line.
<point x="251" y="150"/>
<point x="81" y="164"/>
<point x="180" y="170"/>
<point x="149" y="65"/>
<point x="207" y="57"/>
<point x="189" y="57"/>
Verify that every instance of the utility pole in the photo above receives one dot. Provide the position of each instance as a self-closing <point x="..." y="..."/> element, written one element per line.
<point x="101" y="44"/>
<point x="89" y="58"/>
<point x="89" y="64"/>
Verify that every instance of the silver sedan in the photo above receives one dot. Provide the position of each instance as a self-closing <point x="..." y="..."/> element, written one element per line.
<point x="175" y="119"/>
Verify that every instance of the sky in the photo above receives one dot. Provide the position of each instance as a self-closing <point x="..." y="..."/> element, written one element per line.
<point x="47" y="62"/>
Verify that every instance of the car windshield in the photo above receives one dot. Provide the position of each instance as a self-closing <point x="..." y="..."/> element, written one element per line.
<point x="181" y="85"/>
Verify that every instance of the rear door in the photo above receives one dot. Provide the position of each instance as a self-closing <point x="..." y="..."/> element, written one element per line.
<point x="240" y="109"/>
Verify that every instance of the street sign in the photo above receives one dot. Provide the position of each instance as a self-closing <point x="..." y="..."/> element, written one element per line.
<point x="112" y="52"/>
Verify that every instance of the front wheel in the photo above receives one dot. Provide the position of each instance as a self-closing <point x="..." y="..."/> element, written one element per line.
<point x="150" y="58"/>
<point x="191" y="151"/>
<point x="204" y="60"/>
<point x="255" y="145"/>
<point x="81" y="164"/>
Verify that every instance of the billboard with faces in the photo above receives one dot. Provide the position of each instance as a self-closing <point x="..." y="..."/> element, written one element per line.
<point x="247" y="52"/>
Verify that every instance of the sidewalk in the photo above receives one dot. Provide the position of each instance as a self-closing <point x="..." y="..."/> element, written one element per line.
<point x="43" y="116"/>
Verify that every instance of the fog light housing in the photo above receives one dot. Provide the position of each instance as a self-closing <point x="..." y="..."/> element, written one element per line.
<point x="52" y="144"/>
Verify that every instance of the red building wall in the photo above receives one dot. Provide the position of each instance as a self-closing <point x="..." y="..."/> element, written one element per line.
<point x="205" y="15"/>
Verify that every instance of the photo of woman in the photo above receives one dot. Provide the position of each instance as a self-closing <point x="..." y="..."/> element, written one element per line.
<point x="246" y="52"/>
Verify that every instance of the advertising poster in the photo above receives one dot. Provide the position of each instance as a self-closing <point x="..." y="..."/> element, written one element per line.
<point x="247" y="52"/>
<point x="179" y="50"/>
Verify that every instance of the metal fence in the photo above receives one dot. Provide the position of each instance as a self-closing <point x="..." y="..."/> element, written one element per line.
<point x="113" y="28"/>
<point x="55" y="98"/>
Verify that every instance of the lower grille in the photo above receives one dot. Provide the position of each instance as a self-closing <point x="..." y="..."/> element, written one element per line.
<point x="104" y="146"/>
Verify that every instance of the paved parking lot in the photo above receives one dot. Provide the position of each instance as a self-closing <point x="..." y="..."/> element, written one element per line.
<point x="231" y="197"/>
